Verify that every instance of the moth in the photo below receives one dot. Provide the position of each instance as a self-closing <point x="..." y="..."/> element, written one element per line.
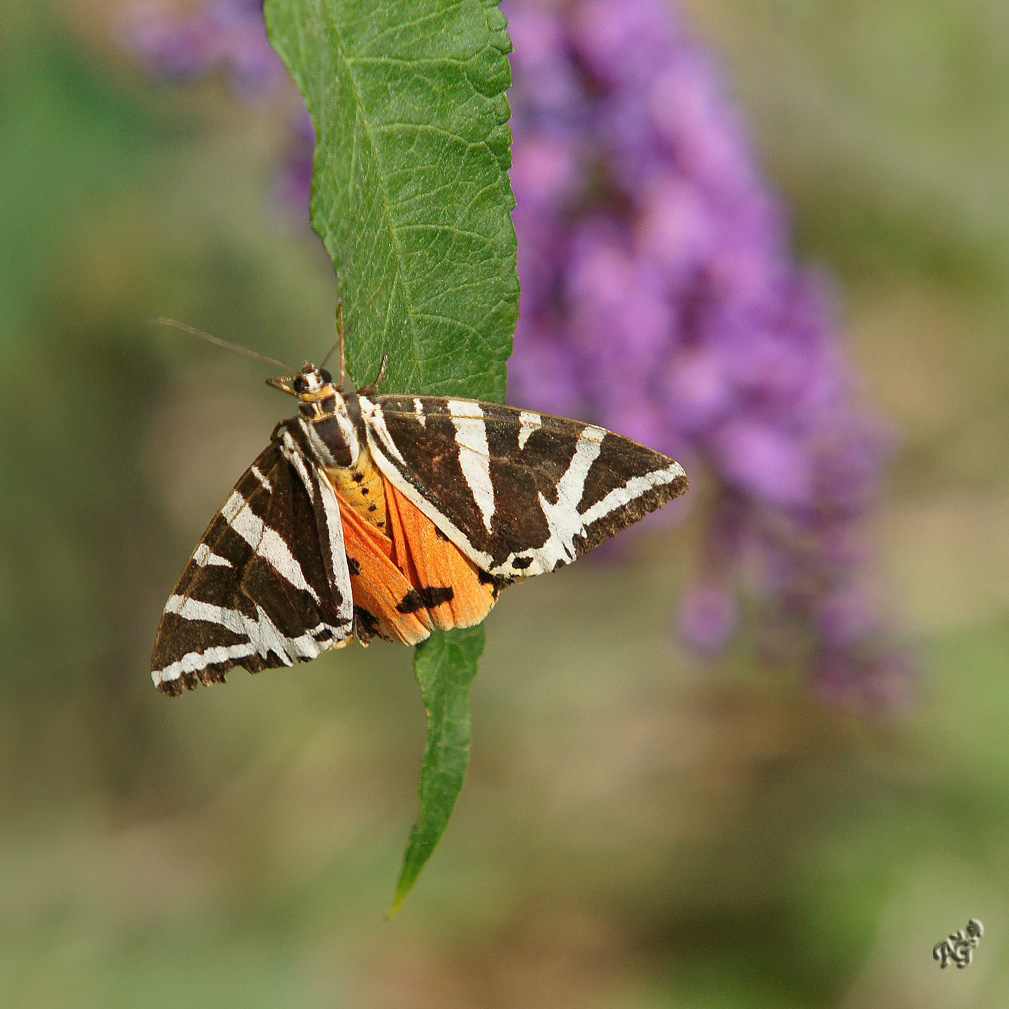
<point x="392" y="516"/>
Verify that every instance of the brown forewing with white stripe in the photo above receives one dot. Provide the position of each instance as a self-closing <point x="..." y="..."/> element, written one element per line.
<point x="511" y="493"/>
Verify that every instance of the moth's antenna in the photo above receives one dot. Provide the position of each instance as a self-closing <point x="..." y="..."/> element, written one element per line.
<point x="341" y="339"/>
<point x="218" y="342"/>
<point x="370" y="390"/>
<point x="339" y="343"/>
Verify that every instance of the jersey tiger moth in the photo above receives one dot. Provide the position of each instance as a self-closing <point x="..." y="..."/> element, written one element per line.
<point x="393" y="516"/>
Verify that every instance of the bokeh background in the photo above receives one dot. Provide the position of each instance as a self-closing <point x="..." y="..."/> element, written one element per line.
<point x="639" y="828"/>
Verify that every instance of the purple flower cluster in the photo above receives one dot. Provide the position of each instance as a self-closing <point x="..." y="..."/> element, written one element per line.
<point x="659" y="296"/>
<point x="225" y="37"/>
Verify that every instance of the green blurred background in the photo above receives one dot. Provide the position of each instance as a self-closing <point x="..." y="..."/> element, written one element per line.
<point x="637" y="830"/>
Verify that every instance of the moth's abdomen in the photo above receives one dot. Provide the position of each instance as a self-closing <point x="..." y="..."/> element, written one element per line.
<point x="360" y="487"/>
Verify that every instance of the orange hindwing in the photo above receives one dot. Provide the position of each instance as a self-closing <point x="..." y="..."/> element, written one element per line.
<point x="407" y="579"/>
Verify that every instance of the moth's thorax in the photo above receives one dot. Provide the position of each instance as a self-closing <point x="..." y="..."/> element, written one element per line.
<point x="331" y="420"/>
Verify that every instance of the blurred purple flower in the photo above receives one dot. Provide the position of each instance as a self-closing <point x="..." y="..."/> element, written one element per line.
<point x="708" y="616"/>
<point x="225" y="37"/>
<point x="659" y="295"/>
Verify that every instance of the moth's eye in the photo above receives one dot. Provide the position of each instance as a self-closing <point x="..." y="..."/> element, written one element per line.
<point x="300" y="385"/>
<point x="326" y="377"/>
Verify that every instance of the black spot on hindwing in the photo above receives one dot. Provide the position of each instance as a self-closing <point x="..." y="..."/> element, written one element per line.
<point x="365" y="625"/>
<point x="426" y="598"/>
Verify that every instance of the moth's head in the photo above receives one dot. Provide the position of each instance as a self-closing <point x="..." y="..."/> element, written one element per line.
<point x="333" y="414"/>
<point x="310" y="384"/>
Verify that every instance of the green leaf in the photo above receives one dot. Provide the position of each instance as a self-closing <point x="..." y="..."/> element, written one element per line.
<point x="444" y="665"/>
<point x="410" y="193"/>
